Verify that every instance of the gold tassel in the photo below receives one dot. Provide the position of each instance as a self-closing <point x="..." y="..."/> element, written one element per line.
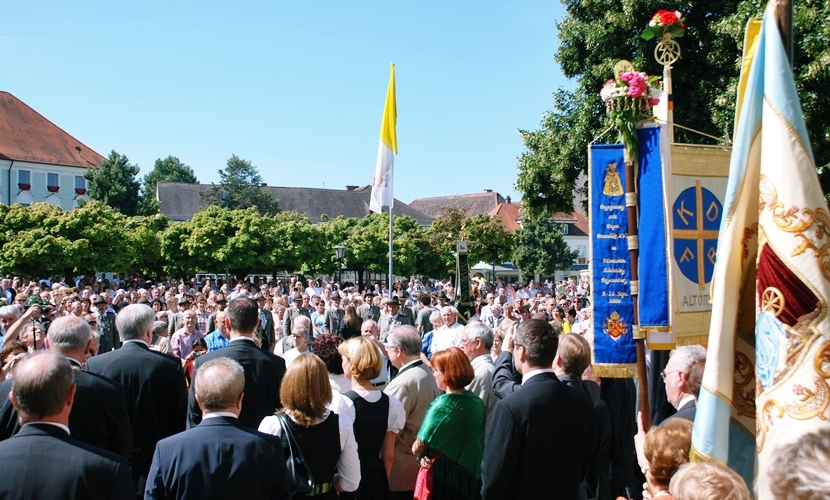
<point x="614" y="370"/>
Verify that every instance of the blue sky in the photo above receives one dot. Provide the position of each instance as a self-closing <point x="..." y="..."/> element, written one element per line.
<point x="297" y="88"/>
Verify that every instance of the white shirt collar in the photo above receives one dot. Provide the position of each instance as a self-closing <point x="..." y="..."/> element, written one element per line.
<point x="137" y="341"/>
<point x="684" y="401"/>
<point x="249" y="339"/>
<point x="217" y="414"/>
<point x="51" y="423"/>
<point x="532" y="373"/>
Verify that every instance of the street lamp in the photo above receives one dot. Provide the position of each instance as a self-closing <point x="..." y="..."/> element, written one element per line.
<point x="339" y="252"/>
<point x="494" y="249"/>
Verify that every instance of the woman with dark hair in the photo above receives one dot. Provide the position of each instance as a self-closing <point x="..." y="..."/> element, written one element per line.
<point x="325" y="347"/>
<point x="199" y="347"/>
<point x="450" y="443"/>
<point x="326" y="439"/>
<point x="350" y="326"/>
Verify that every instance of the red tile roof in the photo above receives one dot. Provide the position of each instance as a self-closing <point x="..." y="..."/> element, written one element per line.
<point x="25" y="135"/>
<point x="511" y="214"/>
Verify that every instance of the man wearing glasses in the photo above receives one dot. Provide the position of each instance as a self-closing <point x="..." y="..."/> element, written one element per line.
<point x="683" y="376"/>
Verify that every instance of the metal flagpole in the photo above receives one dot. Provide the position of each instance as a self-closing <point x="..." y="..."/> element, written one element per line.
<point x="390" y="251"/>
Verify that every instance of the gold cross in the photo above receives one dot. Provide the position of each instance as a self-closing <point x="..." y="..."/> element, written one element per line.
<point x="698" y="234"/>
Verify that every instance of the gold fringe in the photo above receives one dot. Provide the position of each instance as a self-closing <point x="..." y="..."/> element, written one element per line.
<point x="693" y="340"/>
<point x="636" y="333"/>
<point x="698" y="456"/>
<point x="655" y="328"/>
<point x="661" y="347"/>
<point x="614" y="370"/>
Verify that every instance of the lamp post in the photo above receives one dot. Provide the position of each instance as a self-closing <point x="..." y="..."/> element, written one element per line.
<point x="339" y="252"/>
<point x="494" y="249"/>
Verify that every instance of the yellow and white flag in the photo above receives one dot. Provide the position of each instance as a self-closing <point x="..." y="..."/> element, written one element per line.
<point x="387" y="149"/>
<point x="766" y="378"/>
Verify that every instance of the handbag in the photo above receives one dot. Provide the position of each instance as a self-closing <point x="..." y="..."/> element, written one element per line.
<point x="298" y="469"/>
<point x="423" y="484"/>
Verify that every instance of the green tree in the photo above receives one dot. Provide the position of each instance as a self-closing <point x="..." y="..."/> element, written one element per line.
<point x="237" y="241"/>
<point x="594" y="35"/>
<point x="296" y="242"/>
<point x="29" y="245"/>
<point x="240" y="186"/>
<point x="540" y="248"/>
<point x="97" y="239"/>
<point x="480" y="232"/>
<point x="169" y="169"/>
<point x="114" y="183"/>
<point x="143" y="245"/>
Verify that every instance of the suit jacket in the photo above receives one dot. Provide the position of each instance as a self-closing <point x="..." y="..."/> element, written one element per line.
<point x="290" y="315"/>
<point x="99" y="415"/>
<point x="263" y="376"/>
<point x="686" y="411"/>
<point x="369" y="311"/>
<point x="333" y="319"/>
<point x="386" y="321"/>
<point x="415" y="388"/>
<point x="175" y="322"/>
<point x="220" y="458"/>
<point x="43" y="461"/>
<point x="539" y="442"/>
<point x="266" y="331"/>
<point x="506" y="380"/>
<point x="156" y="396"/>
<point x="109" y="335"/>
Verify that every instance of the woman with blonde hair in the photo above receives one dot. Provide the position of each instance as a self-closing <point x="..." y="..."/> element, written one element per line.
<point x="325" y="438"/>
<point x="377" y="417"/>
<point x="666" y="449"/>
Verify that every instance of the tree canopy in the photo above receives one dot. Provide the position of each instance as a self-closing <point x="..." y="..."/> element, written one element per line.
<point x="540" y="248"/>
<point x="169" y="169"/>
<point x="240" y="186"/>
<point x="594" y="35"/>
<point x="114" y="183"/>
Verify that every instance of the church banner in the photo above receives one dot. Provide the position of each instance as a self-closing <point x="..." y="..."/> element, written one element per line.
<point x="614" y="350"/>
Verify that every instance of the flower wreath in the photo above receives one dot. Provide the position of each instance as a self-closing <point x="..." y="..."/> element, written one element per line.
<point x="663" y="22"/>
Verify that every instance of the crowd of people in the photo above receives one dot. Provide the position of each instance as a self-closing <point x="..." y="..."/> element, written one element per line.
<point x="137" y="389"/>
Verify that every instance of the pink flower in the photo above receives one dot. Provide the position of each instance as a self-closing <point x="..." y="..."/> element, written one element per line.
<point x="653" y="101"/>
<point x="636" y="83"/>
<point x="798" y="389"/>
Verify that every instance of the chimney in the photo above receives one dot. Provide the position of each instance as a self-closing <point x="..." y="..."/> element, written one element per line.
<point x="351" y="188"/>
<point x="264" y="184"/>
<point x="507" y="200"/>
<point x="488" y="190"/>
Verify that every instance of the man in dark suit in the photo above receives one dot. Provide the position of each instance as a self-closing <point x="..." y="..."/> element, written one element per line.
<point x="393" y="318"/>
<point x="153" y="383"/>
<point x="540" y="439"/>
<point x="220" y="457"/>
<point x="265" y="328"/>
<point x="263" y="370"/>
<point x="683" y="376"/>
<point x="99" y="416"/>
<point x="42" y="460"/>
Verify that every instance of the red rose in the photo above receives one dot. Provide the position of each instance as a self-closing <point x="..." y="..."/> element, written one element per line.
<point x="667" y="17"/>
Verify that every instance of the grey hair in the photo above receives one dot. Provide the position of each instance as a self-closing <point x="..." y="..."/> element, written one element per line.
<point x="68" y="334"/>
<point x="799" y="470"/>
<point x="406" y="337"/>
<point x="495" y="307"/>
<point x="706" y="480"/>
<point x="189" y="312"/>
<point x="159" y="326"/>
<point x="685" y="356"/>
<point x="218" y="384"/>
<point x="7" y="310"/>
<point x="478" y="330"/>
<point x="133" y="321"/>
<point x="300" y="330"/>
<point x="435" y="316"/>
<point x="371" y="321"/>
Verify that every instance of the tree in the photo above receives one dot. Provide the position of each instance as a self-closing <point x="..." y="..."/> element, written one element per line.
<point x="143" y="241"/>
<point x="480" y="232"/>
<point x="97" y="236"/>
<point x="296" y="242"/>
<point x="170" y="169"/>
<point x="114" y="184"/>
<point x="241" y="187"/>
<point x="595" y="35"/>
<point x="540" y="248"/>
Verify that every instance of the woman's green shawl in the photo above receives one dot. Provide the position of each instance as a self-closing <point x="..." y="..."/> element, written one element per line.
<point x="454" y="426"/>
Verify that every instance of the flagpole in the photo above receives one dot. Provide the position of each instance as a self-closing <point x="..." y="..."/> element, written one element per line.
<point x="784" y="17"/>
<point x="390" y="250"/>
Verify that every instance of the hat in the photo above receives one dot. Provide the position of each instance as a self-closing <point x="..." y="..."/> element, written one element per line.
<point x="34" y="300"/>
<point x="99" y="300"/>
<point x="335" y="296"/>
<point x="184" y="300"/>
<point x="219" y="298"/>
<point x="142" y="300"/>
<point x="393" y="302"/>
<point x="368" y="293"/>
<point x="443" y="295"/>
<point x="298" y="297"/>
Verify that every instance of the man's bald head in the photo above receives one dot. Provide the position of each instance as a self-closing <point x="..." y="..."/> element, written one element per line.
<point x="303" y="321"/>
<point x="42" y="387"/>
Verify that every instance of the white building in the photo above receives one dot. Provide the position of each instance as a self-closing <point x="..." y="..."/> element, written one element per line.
<point x="39" y="161"/>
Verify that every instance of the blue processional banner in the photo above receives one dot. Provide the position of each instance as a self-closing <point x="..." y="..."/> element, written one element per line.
<point x="654" y="266"/>
<point x="614" y="351"/>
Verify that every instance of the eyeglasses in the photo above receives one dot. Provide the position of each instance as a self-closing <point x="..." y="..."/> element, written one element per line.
<point x="92" y="323"/>
<point x="665" y="373"/>
<point x="391" y="346"/>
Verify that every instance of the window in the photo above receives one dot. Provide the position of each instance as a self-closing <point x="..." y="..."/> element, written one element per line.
<point x="53" y="182"/>
<point x="564" y="228"/>
<point x="24" y="180"/>
<point x="80" y="184"/>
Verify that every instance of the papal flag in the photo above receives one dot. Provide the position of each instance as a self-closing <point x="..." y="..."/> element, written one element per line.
<point x="387" y="149"/>
<point x="765" y="383"/>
